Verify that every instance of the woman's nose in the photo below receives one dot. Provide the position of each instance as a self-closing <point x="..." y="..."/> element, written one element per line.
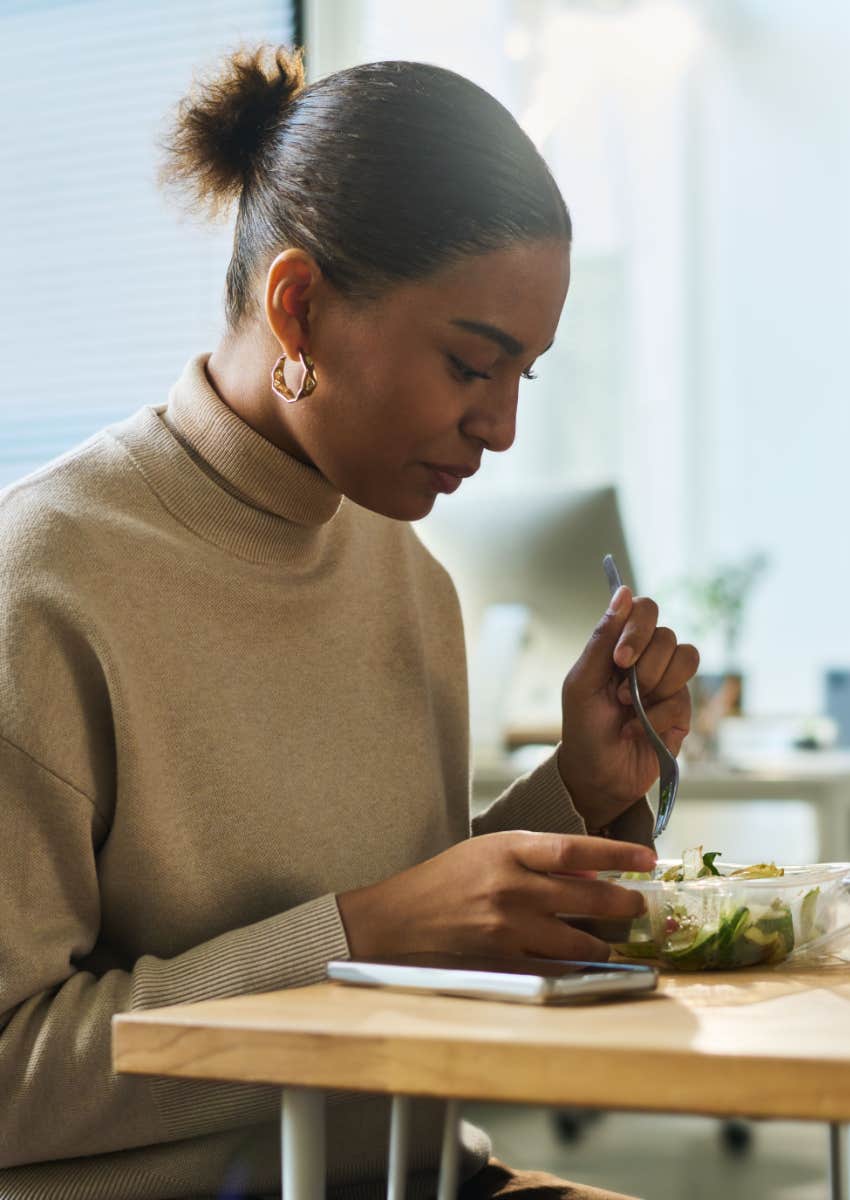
<point x="493" y="421"/>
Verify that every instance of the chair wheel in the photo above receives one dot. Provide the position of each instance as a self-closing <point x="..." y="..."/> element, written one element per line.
<point x="571" y="1123"/>
<point x="736" y="1136"/>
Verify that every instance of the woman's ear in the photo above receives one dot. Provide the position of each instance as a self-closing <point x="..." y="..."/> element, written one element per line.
<point x="290" y="286"/>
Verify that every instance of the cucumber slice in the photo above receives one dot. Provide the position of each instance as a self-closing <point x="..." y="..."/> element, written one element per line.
<point x="696" y="956"/>
<point x="642" y="949"/>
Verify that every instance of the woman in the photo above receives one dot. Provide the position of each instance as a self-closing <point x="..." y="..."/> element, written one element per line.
<point x="232" y="683"/>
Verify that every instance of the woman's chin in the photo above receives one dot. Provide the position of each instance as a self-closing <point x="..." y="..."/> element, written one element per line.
<point x="398" y="508"/>
<point x="410" y="510"/>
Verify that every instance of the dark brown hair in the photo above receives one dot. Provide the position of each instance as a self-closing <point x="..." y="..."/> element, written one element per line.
<point x="382" y="172"/>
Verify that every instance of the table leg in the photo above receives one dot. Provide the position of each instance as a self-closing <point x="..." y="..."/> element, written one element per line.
<point x="839" y="1183"/>
<point x="399" y="1145"/>
<point x="450" y="1156"/>
<point x="832" y="821"/>
<point x="302" y="1144"/>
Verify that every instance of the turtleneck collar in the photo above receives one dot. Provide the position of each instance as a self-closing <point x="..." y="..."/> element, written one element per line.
<point x="256" y="470"/>
<point x="222" y="479"/>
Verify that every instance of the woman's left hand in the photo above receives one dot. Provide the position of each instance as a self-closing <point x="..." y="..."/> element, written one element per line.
<point x="605" y="759"/>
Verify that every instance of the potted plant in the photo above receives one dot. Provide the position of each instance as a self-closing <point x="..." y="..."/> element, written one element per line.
<point x="718" y="601"/>
<point x="716" y="605"/>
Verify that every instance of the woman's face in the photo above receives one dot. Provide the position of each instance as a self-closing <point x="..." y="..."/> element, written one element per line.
<point x="413" y="388"/>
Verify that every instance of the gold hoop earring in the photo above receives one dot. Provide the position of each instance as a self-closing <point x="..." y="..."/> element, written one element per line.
<point x="303" y="386"/>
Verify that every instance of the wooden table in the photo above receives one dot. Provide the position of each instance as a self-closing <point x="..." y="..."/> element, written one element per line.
<point x="750" y="1043"/>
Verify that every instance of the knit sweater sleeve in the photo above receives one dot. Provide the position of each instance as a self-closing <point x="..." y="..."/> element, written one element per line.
<point x="540" y="801"/>
<point x="55" y="1046"/>
<point x="60" y="981"/>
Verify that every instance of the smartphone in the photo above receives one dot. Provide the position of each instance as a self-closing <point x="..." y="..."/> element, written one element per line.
<point x="521" y="980"/>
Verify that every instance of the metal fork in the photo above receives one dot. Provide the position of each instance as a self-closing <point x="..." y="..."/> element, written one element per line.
<point x="668" y="782"/>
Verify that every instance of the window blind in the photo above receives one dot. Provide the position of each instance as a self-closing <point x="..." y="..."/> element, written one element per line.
<point x="107" y="288"/>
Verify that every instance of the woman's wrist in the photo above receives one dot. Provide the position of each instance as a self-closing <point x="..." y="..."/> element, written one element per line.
<point x="595" y="805"/>
<point x="357" y="918"/>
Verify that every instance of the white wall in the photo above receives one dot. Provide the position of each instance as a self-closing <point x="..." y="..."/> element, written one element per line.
<point x="770" y="450"/>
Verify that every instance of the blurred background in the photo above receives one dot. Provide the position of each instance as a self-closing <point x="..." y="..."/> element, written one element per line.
<point x="702" y="146"/>
<point x="691" y="416"/>
<point x="693" y="413"/>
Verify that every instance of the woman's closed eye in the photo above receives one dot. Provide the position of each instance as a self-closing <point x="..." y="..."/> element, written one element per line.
<point x="467" y="373"/>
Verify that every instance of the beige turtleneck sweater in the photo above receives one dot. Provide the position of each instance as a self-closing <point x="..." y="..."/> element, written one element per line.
<point x="226" y="695"/>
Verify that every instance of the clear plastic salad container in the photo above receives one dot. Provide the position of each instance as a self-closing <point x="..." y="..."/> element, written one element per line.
<point x="722" y="923"/>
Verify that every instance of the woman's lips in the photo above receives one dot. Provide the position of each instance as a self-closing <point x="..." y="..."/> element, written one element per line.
<point x="446" y="482"/>
<point x="447" y="479"/>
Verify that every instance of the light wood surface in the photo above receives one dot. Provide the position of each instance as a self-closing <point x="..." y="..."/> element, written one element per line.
<point x="751" y="1043"/>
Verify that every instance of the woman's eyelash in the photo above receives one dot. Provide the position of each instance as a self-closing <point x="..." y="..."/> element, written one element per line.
<point x="465" y="371"/>
<point x="469" y="373"/>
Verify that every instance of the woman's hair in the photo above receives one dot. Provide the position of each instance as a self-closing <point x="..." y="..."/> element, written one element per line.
<point x="382" y="172"/>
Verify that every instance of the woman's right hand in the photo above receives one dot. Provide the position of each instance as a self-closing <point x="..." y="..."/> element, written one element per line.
<point x="497" y="894"/>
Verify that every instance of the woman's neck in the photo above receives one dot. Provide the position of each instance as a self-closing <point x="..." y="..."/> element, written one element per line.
<point x="239" y="370"/>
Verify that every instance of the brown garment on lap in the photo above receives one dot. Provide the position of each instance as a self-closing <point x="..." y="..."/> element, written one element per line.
<point x="498" y="1180"/>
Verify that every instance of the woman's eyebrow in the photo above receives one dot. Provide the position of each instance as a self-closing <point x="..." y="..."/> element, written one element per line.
<point x="509" y="344"/>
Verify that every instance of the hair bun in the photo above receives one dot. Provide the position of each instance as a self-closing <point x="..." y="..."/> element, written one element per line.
<point x="222" y="124"/>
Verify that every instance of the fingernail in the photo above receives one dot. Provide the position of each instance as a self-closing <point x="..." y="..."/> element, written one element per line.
<point x="624" y="695"/>
<point x="624" y="656"/>
<point x="618" y="601"/>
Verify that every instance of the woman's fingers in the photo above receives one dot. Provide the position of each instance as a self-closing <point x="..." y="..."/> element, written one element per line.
<point x="663" y="669"/>
<point x="637" y="633"/>
<point x="589" y="898"/>
<point x="652" y="664"/>
<point x="680" y="671"/>
<point x="673" y="740"/>
<point x="557" y="853"/>
<point x="670" y="717"/>
<point x="547" y="937"/>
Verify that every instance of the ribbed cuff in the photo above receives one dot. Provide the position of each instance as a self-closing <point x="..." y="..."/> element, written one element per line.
<point x="291" y="949"/>
<point x="538" y="801"/>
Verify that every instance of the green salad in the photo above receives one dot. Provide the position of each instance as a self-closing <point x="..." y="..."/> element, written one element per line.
<point x="713" y="928"/>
